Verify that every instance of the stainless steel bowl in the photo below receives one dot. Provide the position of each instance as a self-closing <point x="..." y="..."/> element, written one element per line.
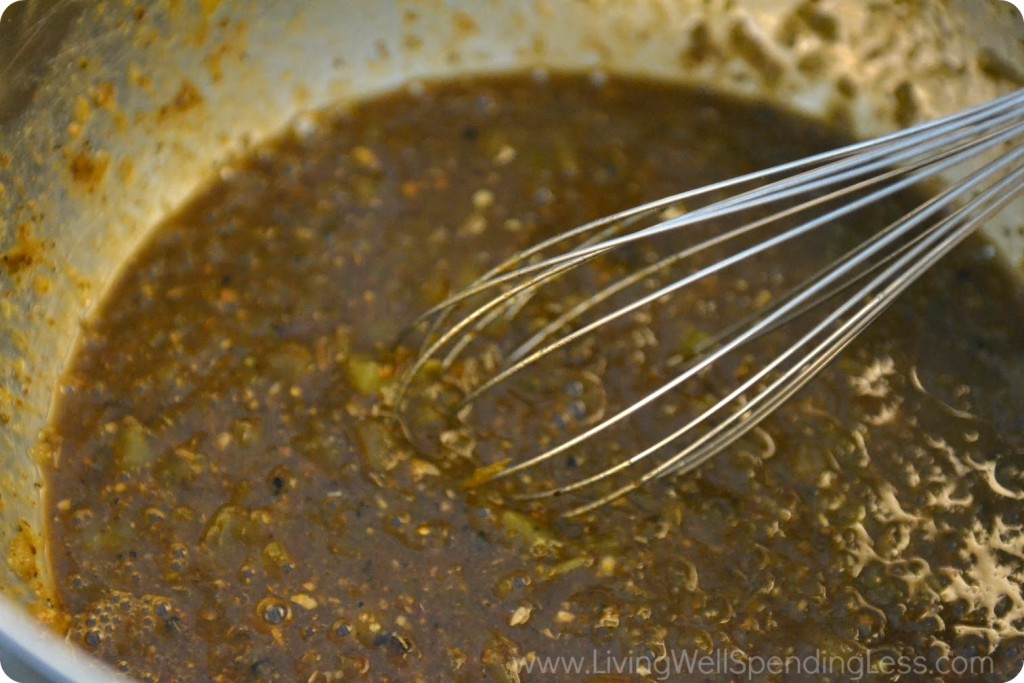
<point x="112" y="114"/>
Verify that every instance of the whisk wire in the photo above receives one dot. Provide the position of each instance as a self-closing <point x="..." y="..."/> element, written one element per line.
<point x="914" y="260"/>
<point x="648" y="271"/>
<point x="819" y="191"/>
<point x="871" y="150"/>
<point x="834" y="174"/>
<point x="784" y="387"/>
<point x="574" y="258"/>
<point x="769" y="243"/>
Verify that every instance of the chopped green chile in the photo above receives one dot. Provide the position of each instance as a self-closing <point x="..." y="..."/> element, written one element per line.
<point x="132" y="451"/>
<point x="235" y="501"/>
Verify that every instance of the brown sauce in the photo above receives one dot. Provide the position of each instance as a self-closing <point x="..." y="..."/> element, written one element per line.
<point x="230" y="500"/>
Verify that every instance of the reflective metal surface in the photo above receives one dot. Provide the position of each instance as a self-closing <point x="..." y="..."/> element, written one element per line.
<point x="111" y="115"/>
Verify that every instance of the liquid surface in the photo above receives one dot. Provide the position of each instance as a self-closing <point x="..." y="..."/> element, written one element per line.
<point x="231" y="501"/>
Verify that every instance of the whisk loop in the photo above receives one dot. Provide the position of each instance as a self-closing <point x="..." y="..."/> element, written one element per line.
<point x="982" y="145"/>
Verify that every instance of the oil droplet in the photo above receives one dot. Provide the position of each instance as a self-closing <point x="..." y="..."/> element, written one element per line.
<point x="93" y="638"/>
<point x="274" y="611"/>
<point x="340" y="629"/>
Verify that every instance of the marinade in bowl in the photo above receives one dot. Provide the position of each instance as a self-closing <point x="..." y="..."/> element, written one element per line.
<point x="232" y="499"/>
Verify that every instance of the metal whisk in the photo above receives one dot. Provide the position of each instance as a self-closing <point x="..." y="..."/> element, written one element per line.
<point x="981" y="146"/>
